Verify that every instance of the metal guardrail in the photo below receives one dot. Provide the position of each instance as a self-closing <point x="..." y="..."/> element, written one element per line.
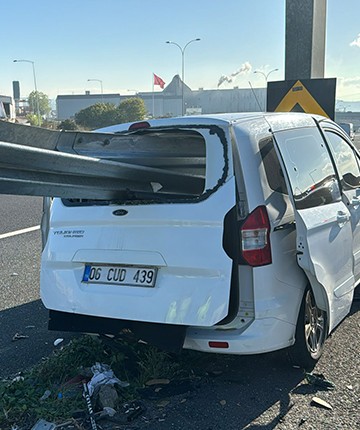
<point x="36" y="161"/>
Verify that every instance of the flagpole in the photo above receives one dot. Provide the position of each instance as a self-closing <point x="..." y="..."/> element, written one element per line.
<point x="153" y="98"/>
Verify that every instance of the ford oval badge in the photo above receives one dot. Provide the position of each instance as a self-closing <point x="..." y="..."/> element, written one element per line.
<point x="120" y="212"/>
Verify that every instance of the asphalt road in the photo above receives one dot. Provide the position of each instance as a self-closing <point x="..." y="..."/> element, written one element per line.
<point x="21" y="311"/>
<point x="259" y="392"/>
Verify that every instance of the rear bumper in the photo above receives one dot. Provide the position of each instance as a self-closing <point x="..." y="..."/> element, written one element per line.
<point x="263" y="335"/>
<point x="169" y="337"/>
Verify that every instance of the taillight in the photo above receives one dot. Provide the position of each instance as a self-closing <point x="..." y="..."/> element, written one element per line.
<point x="255" y="238"/>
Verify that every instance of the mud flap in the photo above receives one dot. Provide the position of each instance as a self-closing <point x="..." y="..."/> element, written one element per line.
<point x="168" y="337"/>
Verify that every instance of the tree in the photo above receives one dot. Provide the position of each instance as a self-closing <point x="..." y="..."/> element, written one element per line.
<point x="97" y="115"/>
<point x="67" y="124"/>
<point x="44" y="103"/>
<point x="132" y="109"/>
<point x="34" y="119"/>
<point x="105" y="114"/>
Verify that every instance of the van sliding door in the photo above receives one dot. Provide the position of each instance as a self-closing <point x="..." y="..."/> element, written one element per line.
<point x="324" y="234"/>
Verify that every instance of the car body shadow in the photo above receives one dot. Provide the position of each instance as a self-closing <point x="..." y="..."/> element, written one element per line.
<point x="235" y="390"/>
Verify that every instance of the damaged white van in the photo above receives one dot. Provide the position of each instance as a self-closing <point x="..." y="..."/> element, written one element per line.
<point x="238" y="234"/>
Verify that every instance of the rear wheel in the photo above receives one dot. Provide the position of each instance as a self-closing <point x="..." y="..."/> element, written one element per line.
<point x="311" y="333"/>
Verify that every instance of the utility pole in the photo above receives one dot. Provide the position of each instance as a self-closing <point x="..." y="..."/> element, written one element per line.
<point x="305" y="39"/>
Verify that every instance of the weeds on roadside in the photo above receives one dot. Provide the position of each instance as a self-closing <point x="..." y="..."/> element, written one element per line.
<point x="20" y="397"/>
<point x="132" y="362"/>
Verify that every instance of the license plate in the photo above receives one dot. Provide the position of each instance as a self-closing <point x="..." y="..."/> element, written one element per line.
<point x="120" y="275"/>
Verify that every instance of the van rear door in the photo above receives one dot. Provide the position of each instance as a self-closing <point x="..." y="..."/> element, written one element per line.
<point x="154" y="255"/>
<point x="324" y="235"/>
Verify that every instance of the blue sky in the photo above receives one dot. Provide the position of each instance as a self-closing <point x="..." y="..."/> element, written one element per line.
<point x="122" y="42"/>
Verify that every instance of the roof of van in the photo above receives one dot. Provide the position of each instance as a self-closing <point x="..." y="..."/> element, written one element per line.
<point x="278" y="118"/>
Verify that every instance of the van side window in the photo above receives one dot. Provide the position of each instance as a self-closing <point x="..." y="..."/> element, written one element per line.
<point x="309" y="166"/>
<point x="273" y="171"/>
<point x="345" y="161"/>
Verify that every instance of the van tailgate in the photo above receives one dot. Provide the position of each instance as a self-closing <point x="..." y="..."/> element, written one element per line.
<point x="181" y="242"/>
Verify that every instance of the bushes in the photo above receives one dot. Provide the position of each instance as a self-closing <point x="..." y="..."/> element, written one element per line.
<point x="104" y="114"/>
<point x="97" y="116"/>
<point x="68" y="124"/>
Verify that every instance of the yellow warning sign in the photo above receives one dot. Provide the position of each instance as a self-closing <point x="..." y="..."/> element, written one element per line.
<point x="299" y="95"/>
<point x="315" y="96"/>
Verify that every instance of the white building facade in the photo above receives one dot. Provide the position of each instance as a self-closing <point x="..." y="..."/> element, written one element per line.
<point x="7" y="108"/>
<point x="168" y="103"/>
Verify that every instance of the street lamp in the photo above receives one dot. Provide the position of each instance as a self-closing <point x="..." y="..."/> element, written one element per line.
<point x="266" y="75"/>
<point x="36" y="91"/>
<point x="182" y="67"/>
<point x="101" y="87"/>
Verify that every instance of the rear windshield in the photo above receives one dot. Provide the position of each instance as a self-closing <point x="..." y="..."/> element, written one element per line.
<point x="163" y="165"/>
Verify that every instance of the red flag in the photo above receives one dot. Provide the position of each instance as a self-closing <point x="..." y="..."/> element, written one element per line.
<point x="158" y="81"/>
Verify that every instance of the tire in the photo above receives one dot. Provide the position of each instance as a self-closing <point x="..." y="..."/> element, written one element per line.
<point x="310" y="334"/>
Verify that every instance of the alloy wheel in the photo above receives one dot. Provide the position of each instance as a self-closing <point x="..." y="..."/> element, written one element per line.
<point x="315" y="330"/>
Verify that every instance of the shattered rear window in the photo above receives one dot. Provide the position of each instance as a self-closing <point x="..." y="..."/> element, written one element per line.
<point x="161" y="165"/>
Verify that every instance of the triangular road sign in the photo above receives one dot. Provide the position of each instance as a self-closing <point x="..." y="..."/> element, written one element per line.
<point x="298" y="99"/>
<point x="297" y="108"/>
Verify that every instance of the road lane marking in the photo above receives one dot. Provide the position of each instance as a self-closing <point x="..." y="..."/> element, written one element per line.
<point x="16" y="232"/>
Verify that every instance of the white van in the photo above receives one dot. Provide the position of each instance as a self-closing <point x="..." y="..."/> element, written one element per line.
<point x="247" y="239"/>
<point x="348" y="127"/>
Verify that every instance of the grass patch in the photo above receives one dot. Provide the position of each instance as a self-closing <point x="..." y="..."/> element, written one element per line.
<point x="132" y="362"/>
<point x="20" y="398"/>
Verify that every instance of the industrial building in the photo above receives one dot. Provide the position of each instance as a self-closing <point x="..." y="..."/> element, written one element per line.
<point x="168" y="103"/>
<point x="68" y="105"/>
<point x="7" y="108"/>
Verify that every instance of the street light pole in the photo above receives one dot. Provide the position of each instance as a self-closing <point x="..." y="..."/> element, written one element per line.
<point x="266" y="75"/>
<point x="101" y="87"/>
<point x="36" y="91"/>
<point x="182" y="49"/>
